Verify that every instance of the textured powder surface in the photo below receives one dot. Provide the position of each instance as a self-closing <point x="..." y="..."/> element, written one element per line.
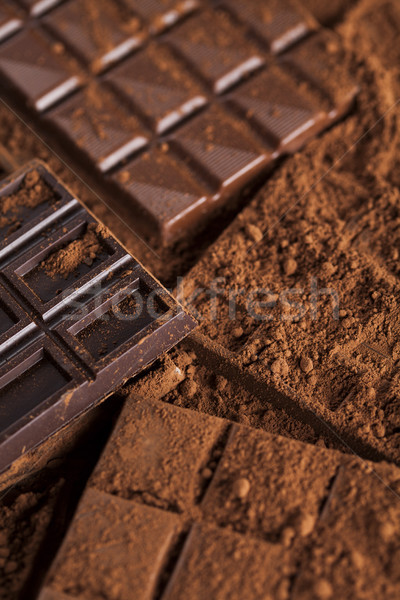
<point x="211" y="392"/>
<point x="83" y="250"/>
<point x="321" y="243"/>
<point x="24" y="519"/>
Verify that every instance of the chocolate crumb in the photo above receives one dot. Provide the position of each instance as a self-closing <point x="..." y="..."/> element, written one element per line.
<point x="241" y="487"/>
<point x="306" y="364"/>
<point x="280" y="367"/>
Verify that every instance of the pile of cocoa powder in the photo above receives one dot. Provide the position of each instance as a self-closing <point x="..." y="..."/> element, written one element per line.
<point x="82" y="250"/>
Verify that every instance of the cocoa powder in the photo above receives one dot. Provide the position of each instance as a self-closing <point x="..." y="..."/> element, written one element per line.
<point x="329" y="219"/>
<point x="82" y="250"/>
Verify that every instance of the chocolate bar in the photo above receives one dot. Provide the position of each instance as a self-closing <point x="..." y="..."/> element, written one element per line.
<point x="78" y="314"/>
<point x="184" y="505"/>
<point x="173" y="117"/>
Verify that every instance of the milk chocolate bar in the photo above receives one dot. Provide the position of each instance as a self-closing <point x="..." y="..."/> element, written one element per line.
<point x="78" y="314"/>
<point x="173" y="117"/>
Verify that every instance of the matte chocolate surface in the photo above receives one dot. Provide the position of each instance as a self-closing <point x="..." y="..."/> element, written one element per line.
<point x="207" y="102"/>
<point x="78" y="314"/>
<point x="183" y="505"/>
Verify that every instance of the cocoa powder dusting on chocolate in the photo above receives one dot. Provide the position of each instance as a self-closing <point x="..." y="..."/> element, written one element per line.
<point x="32" y="192"/>
<point x="83" y="250"/>
<point x="207" y="391"/>
<point x="330" y="216"/>
<point x="98" y="16"/>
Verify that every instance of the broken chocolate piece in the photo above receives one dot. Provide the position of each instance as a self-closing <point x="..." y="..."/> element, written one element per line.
<point x="78" y="314"/>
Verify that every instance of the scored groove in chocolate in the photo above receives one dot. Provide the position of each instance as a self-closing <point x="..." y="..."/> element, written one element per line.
<point x="157" y="87"/>
<point x="276" y="24"/>
<point x="162" y="14"/>
<point x="215" y="49"/>
<point x="79" y="315"/>
<point x="145" y="71"/>
<point x="29" y="62"/>
<point x="101" y="130"/>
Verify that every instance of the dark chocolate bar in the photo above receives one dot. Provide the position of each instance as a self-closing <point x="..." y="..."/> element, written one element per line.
<point x="172" y="117"/>
<point x="78" y="314"/>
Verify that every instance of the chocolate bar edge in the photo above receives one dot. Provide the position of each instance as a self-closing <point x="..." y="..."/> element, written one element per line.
<point x="83" y="398"/>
